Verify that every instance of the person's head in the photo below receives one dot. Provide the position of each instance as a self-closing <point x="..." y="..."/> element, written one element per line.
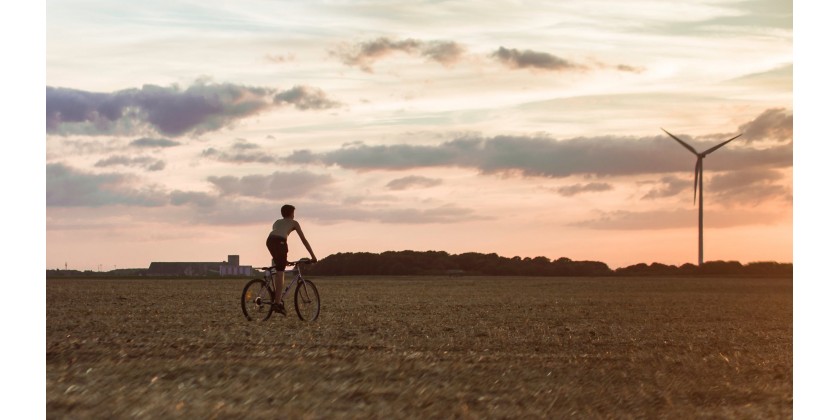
<point x="287" y="211"/>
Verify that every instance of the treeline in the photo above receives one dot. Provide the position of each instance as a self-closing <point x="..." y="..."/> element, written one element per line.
<point x="416" y="263"/>
<point x="474" y="264"/>
<point x="717" y="268"/>
<point x="439" y="262"/>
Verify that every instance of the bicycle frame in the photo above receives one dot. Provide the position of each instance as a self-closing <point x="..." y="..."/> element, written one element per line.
<point x="269" y="278"/>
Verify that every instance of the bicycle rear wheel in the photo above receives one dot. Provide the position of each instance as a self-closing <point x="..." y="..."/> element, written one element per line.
<point x="307" y="301"/>
<point x="256" y="300"/>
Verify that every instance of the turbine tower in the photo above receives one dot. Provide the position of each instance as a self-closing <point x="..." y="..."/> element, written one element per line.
<point x="698" y="179"/>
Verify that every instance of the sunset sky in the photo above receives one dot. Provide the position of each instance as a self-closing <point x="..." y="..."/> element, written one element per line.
<point x="175" y="130"/>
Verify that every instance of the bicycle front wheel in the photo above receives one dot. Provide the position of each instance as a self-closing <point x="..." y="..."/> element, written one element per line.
<point x="307" y="301"/>
<point x="256" y="300"/>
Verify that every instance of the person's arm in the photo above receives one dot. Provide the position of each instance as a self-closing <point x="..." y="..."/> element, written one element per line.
<point x="305" y="242"/>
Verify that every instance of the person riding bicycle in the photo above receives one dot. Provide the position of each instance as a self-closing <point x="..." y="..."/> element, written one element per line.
<point x="278" y="246"/>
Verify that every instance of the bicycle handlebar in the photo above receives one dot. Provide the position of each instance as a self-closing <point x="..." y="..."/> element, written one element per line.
<point x="288" y="264"/>
<point x="300" y="261"/>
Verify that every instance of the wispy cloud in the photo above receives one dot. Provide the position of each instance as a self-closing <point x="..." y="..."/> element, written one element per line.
<point x="69" y="187"/>
<point x="773" y="124"/>
<point x="305" y="98"/>
<point x="535" y="60"/>
<point x="576" y="189"/>
<point x="675" y="219"/>
<point x="277" y="186"/>
<point x="446" y="213"/>
<point x="629" y="68"/>
<point x="516" y="59"/>
<point x="280" y="58"/>
<point x="241" y="152"/>
<point x="200" y="199"/>
<point x="153" y="143"/>
<point x="752" y="186"/>
<point x="242" y="212"/>
<point x="412" y="181"/>
<point x="668" y="186"/>
<point x="146" y="162"/>
<point x="63" y="147"/>
<point x="364" y="54"/>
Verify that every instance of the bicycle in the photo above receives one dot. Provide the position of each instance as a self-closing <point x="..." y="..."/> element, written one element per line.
<point x="258" y="294"/>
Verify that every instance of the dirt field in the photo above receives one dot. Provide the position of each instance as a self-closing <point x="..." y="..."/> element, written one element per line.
<point x="424" y="348"/>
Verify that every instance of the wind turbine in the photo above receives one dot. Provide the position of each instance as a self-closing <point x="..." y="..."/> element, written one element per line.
<point x="698" y="179"/>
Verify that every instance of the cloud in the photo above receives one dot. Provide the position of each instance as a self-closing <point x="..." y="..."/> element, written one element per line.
<point x="200" y="199"/>
<point x="528" y="59"/>
<point x="241" y="152"/>
<point x="305" y="98"/>
<point x="442" y="214"/>
<point x="773" y="124"/>
<point x="66" y="146"/>
<point x="237" y="212"/>
<point x="69" y="187"/>
<point x="446" y="213"/>
<point x="547" y="157"/>
<point x="170" y="111"/>
<point x="364" y="54"/>
<point x="280" y="58"/>
<point x="277" y="186"/>
<point x="669" y="187"/>
<point x="676" y="219"/>
<point x="516" y="59"/>
<point x="147" y="142"/>
<point x="148" y="163"/>
<point x="752" y="186"/>
<point x="412" y="181"/>
<point x="576" y="189"/>
<point x="629" y="69"/>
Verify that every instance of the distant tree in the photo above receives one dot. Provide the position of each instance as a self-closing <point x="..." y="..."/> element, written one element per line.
<point x="720" y="267"/>
<point x="769" y="269"/>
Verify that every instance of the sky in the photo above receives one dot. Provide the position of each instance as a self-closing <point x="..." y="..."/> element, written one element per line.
<point x="320" y="93"/>
<point x="175" y="130"/>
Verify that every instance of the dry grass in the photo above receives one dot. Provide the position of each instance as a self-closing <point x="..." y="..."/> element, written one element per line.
<point x="424" y="348"/>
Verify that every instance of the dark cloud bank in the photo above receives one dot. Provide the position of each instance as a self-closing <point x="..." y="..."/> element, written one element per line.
<point x="169" y="111"/>
<point x="545" y="157"/>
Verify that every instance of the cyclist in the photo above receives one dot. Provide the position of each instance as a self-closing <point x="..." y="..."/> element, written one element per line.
<point x="278" y="246"/>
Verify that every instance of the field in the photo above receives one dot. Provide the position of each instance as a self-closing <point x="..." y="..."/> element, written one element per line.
<point x="424" y="347"/>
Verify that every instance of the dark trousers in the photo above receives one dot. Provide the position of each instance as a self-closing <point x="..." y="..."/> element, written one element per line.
<point x="279" y="250"/>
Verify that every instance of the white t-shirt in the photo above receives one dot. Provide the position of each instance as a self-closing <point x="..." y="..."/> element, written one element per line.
<point x="283" y="227"/>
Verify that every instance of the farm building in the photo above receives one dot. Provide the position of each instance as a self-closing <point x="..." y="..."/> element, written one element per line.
<point x="230" y="267"/>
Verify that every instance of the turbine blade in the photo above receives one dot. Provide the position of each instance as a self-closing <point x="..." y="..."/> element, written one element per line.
<point x="686" y="145"/>
<point x="720" y="145"/>
<point x="696" y="177"/>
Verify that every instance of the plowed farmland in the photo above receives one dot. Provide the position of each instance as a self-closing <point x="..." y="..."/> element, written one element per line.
<point x="424" y="347"/>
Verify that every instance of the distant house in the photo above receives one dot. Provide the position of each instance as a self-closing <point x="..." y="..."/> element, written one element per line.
<point x="230" y="267"/>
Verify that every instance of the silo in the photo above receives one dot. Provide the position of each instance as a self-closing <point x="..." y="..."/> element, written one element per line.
<point x="233" y="260"/>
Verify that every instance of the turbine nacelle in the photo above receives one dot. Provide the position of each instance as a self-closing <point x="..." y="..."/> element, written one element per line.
<point x="698" y="167"/>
